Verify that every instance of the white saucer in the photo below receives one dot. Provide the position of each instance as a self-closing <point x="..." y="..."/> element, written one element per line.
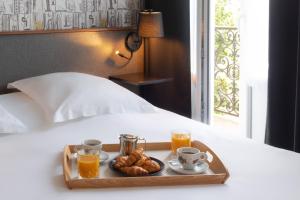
<point x="103" y="156"/>
<point x="177" y="167"/>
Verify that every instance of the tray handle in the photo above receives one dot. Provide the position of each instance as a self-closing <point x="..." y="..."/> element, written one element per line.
<point x="66" y="165"/>
<point x="216" y="164"/>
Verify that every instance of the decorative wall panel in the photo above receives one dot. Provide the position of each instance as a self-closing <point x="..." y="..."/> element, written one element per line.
<point x="45" y="15"/>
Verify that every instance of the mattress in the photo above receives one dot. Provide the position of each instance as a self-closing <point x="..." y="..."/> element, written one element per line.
<point x="31" y="164"/>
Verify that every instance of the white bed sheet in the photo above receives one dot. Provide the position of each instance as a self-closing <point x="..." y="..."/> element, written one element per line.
<point x="31" y="164"/>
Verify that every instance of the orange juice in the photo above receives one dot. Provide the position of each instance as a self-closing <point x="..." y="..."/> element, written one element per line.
<point x="180" y="140"/>
<point x="88" y="165"/>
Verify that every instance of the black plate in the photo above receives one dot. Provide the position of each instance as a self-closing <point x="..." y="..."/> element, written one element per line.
<point x="162" y="166"/>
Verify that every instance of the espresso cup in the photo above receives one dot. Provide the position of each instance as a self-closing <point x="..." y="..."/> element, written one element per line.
<point x="190" y="157"/>
<point x="92" y="144"/>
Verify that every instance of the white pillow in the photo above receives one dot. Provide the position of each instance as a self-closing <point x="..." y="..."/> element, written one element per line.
<point x="10" y="124"/>
<point x="25" y="109"/>
<point x="69" y="95"/>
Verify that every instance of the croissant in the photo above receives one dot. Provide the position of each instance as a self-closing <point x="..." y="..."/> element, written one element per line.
<point x="134" y="171"/>
<point x="151" y="166"/>
<point x="142" y="161"/>
<point x="134" y="156"/>
<point x="127" y="161"/>
<point x="136" y="164"/>
<point x="121" y="161"/>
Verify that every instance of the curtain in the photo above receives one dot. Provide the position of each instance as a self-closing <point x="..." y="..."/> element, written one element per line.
<point x="283" y="115"/>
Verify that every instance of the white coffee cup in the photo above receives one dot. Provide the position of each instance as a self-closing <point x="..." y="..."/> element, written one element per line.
<point x="92" y="144"/>
<point x="190" y="157"/>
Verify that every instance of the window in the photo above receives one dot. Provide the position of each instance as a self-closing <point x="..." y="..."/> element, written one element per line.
<point x="229" y="64"/>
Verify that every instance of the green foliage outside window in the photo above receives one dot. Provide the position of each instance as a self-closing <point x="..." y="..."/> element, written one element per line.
<point x="225" y="42"/>
<point x="223" y="16"/>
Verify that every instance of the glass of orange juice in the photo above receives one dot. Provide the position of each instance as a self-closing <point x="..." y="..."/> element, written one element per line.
<point x="88" y="159"/>
<point x="180" y="138"/>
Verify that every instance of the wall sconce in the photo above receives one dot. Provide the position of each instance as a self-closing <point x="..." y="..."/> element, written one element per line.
<point x="123" y="56"/>
<point x="150" y="26"/>
<point x="132" y="43"/>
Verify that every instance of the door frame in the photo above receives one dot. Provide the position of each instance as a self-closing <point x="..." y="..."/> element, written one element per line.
<point x="201" y="71"/>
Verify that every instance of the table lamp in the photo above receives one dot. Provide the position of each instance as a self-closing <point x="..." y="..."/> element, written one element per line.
<point x="150" y="26"/>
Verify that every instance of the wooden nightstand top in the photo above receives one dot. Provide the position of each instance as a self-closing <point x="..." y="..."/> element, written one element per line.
<point x="139" y="79"/>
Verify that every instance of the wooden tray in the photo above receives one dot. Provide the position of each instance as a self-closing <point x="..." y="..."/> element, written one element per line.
<point x="217" y="174"/>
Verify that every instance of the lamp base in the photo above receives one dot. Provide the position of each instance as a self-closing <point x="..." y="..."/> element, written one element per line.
<point x="146" y="57"/>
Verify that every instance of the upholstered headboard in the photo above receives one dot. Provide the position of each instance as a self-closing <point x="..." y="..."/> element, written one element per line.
<point x="23" y="56"/>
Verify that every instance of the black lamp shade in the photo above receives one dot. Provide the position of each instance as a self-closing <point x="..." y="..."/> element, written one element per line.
<point x="151" y="24"/>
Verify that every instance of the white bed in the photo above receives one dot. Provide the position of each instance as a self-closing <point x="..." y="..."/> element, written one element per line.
<point x="31" y="164"/>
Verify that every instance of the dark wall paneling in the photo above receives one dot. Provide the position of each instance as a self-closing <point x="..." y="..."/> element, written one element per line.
<point x="23" y="56"/>
<point x="170" y="56"/>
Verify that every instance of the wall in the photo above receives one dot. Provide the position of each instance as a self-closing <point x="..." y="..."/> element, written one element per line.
<point x="93" y="52"/>
<point x="257" y="110"/>
<point x="170" y="56"/>
<point x="23" y="56"/>
<point x="254" y="67"/>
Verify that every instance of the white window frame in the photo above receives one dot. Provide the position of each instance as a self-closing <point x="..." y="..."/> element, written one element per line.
<point x="201" y="81"/>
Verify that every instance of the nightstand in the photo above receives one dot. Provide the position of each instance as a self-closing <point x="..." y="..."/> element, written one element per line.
<point x="150" y="88"/>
